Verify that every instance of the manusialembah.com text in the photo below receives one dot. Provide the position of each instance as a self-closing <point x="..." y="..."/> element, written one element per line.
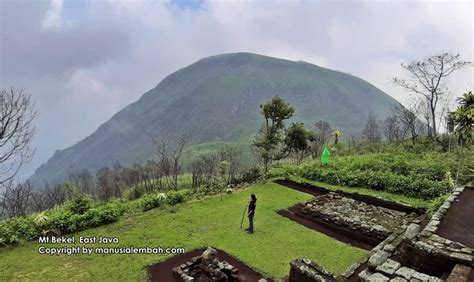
<point x="111" y="250"/>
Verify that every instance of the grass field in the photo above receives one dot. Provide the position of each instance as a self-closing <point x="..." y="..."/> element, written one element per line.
<point x="209" y="222"/>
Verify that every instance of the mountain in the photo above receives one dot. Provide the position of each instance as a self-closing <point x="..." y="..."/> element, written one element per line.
<point x="216" y="101"/>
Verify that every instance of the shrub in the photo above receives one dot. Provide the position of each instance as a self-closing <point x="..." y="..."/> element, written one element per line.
<point x="65" y="220"/>
<point x="252" y="174"/>
<point x="79" y="204"/>
<point x="101" y="215"/>
<point x="174" y="197"/>
<point x="7" y="234"/>
<point x="135" y="192"/>
<point x="150" y="201"/>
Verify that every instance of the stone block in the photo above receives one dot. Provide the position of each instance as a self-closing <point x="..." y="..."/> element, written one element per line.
<point x="378" y="277"/>
<point x="404" y="272"/>
<point x="398" y="279"/>
<point x="412" y="230"/>
<point x="388" y="267"/>
<point x="420" y="276"/>
<point x="378" y="258"/>
<point x="462" y="257"/>
<point x="364" y="275"/>
<point x="459" y="273"/>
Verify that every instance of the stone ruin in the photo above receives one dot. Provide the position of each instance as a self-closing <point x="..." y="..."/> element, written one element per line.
<point x="206" y="267"/>
<point x="412" y="253"/>
<point x="356" y="216"/>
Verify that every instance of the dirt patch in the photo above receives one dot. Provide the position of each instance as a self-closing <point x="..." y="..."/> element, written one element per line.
<point x="346" y="236"/>
<point x="457" y="225"/>
<point x="163" y="271"/>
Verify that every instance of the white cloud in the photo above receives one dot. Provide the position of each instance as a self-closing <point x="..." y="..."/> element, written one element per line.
<point x="84" y="71"/>
<point x="53" y="18"/>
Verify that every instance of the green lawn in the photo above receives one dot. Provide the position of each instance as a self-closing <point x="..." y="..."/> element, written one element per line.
<point x="209" y="222"/>
<point x="415" y="202"/>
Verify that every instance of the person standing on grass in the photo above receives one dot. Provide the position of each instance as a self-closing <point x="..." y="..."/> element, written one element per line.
<point x="251" y="212"/>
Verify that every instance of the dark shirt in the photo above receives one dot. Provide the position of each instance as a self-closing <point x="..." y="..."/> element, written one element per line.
<point x="252" y="206"/>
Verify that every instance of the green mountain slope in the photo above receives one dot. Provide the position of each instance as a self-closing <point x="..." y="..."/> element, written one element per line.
<point x="215" y="100"/>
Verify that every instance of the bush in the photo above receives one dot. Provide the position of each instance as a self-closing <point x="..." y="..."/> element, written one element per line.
<point x="357" y="175"/>
<point x="102" y="215"/>
<point x="135" y="192"/>
<point x="174" y="197"/>
<point x="150" y="201"/>
<point x="7" y="234"/>
<point x="79" y="204"/>
<point x="252" y="174"/>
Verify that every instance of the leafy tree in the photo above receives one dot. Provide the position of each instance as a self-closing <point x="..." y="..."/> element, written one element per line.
<point x="268" y="140"/>
<point x="427" y="78"/>
<point x="463" y="118"/>
<point x="298" y="140"/>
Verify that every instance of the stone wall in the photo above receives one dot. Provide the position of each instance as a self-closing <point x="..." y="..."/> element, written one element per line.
<point x="405" y="256"/>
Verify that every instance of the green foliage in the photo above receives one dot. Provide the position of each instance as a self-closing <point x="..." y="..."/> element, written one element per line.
<point x="414" y="175"/>
<point x="174" y="197"/>
<point x="150" y="201"/>
<point x="103" y="214"/>
<point x="463" y="118"/>
<point x="79" y="204"/>
<point x="298" y="137"/>
<point x="12" y="230"/>
<point x="436" y="203"/>
<point x="135" y="192"/>
<point x="8" y="235"/>
<point x="252" y="174"/>
<point x="268" y="140"/>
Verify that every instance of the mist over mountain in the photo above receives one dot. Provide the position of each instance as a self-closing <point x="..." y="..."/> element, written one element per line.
<point x="216" y="101"/>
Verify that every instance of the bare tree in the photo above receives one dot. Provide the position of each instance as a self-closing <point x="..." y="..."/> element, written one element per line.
<point x="16" y="199"/>
<point x="428" y="77"/>
<point x="17" y="112"/>
<point x="169" y="159"/>
<point x="322" y="134"/>
<point x="371" y="131"/>
<point x="408" y="121"/>
<point x="391" y="129"/>
<point x="83" y="180"/>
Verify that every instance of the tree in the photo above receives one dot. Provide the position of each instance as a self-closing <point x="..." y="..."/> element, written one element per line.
<point x="169" y="159"/>
<point x="297" y="140"/>
<point x="428" y="77"/>
<point x="391" y="129"/>
<point x="17" y="113"/>
<point x="268" y="140"/>
<point x="371" y="131"/>
<point x="463" y="118"/>
<point x="408" y="121"/>
<point x="321" y="135"/>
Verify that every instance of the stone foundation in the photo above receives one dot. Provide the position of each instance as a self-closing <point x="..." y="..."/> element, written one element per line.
<point x="406" y="254"/>
<point x="206" y="267"/>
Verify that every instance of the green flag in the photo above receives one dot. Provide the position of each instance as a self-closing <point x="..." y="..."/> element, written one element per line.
<point x="325" y="156"/>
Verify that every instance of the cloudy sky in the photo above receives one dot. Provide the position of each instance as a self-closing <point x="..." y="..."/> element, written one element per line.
<point x="83" y="60"/>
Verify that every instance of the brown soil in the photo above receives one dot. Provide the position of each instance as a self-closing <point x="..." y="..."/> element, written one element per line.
<point x="162" y="271"/>
<point x="458" y="223"/>
<point x="328" y="230"/>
